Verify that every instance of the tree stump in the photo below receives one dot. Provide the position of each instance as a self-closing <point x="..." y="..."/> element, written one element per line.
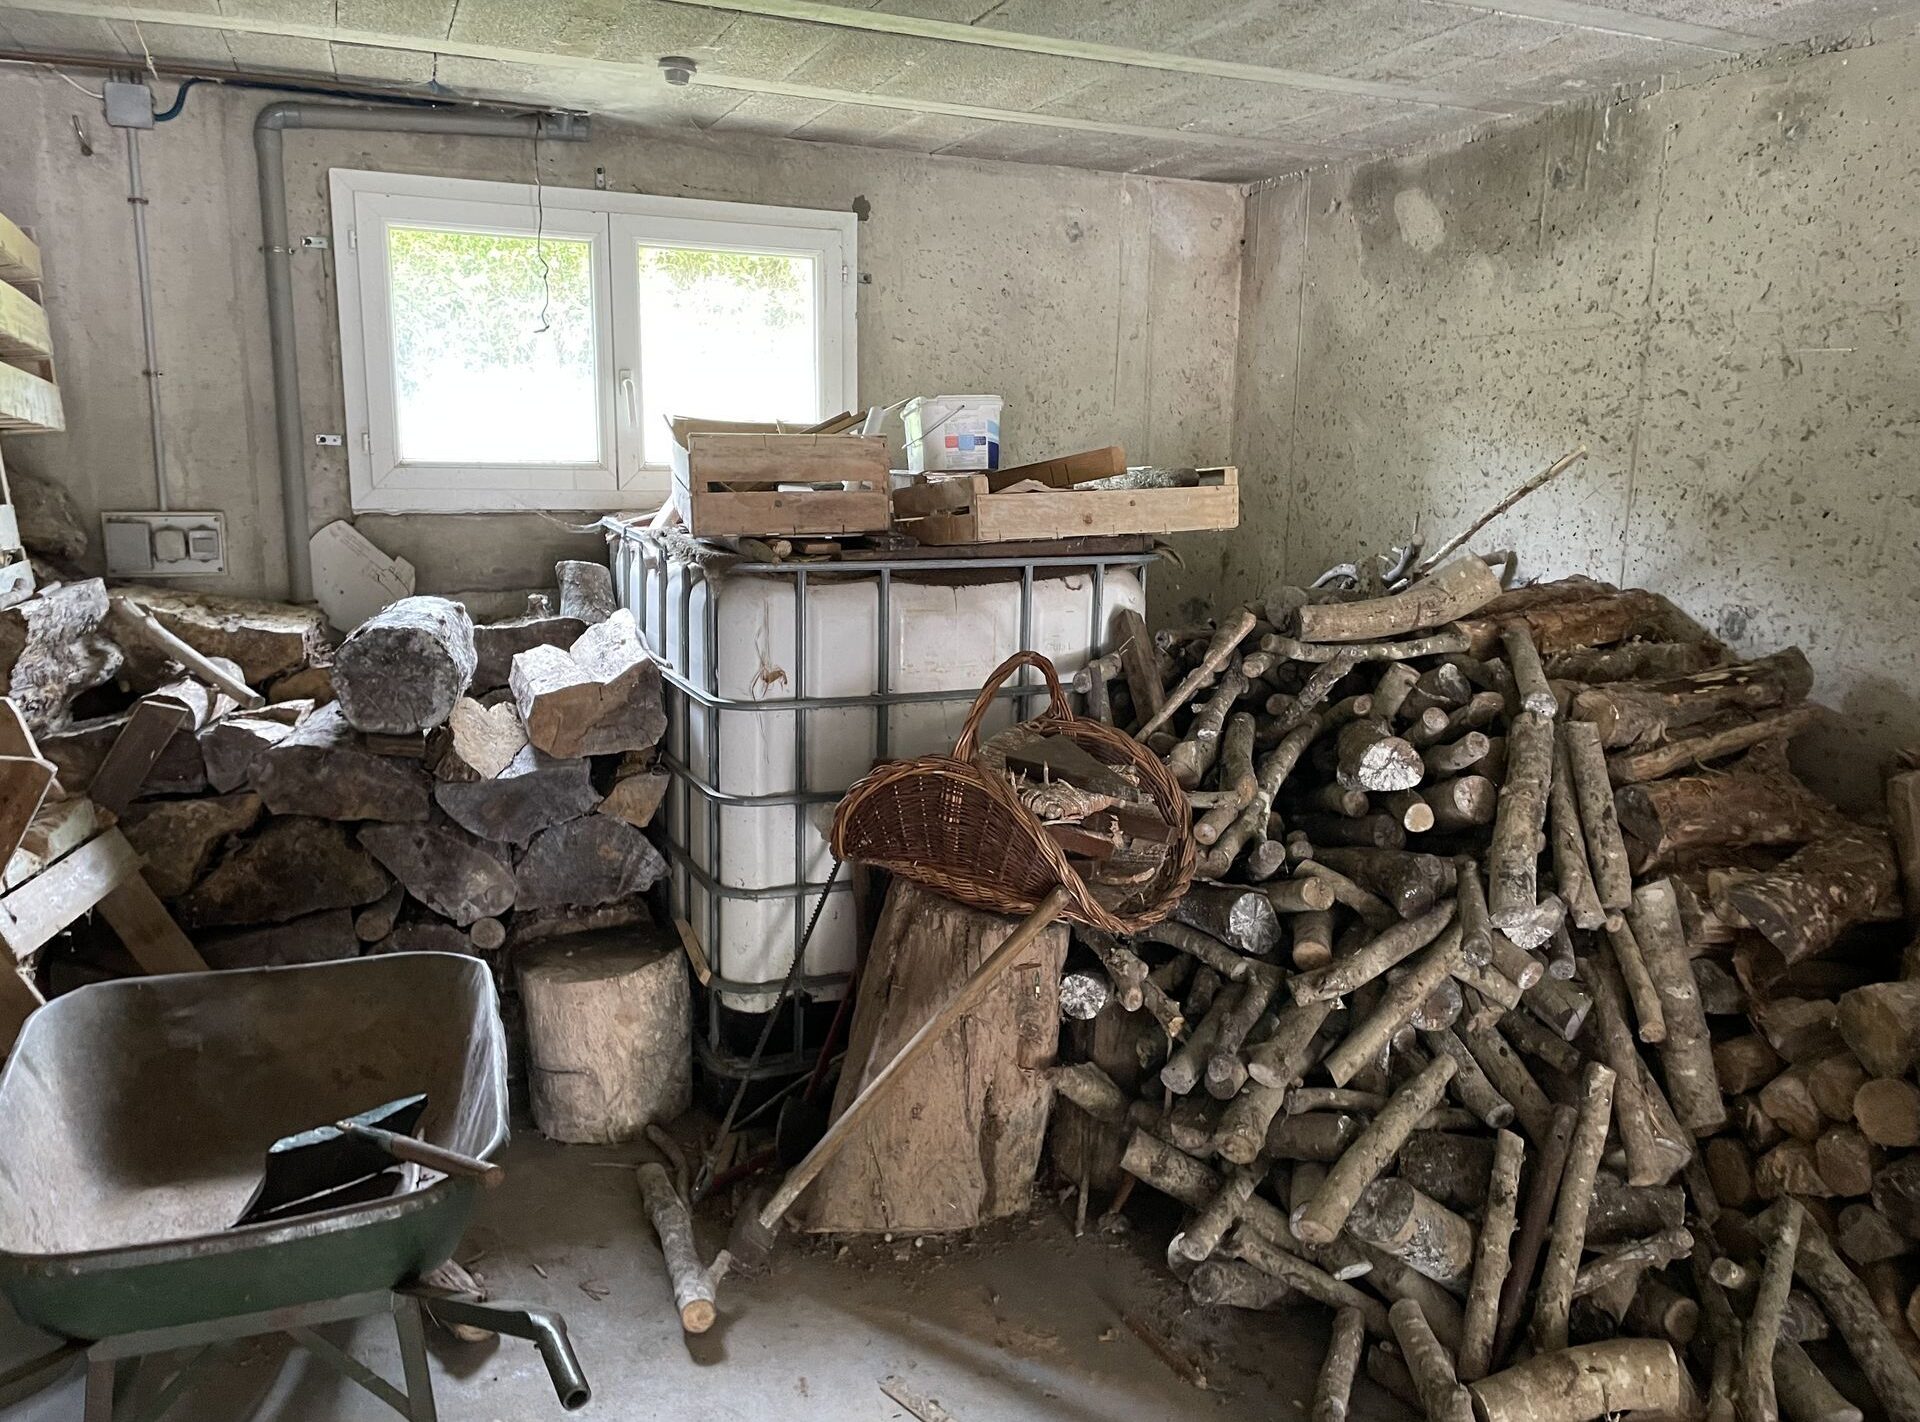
<point x="959" y="1139"/>
<point x="401" y="670"/>
<point x="608" y="1034"/>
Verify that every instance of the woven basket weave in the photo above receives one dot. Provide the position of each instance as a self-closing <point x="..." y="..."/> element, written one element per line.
<point x="951" y="826"/>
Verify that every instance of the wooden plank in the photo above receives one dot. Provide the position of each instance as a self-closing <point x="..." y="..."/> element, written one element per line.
<point x="1066" y="471"/>
<point x="951" y="494"/>
<point x="19" y="254"/>
<point x="135" y="913"/>
<point x="714" y="457"/>
<point x="133" y="752"/>
<point x="1213" y="504"/>
<point x="15" y="736"/>
<point x="24" y="332"/>
<point x="60" y="828"/>
<point x="24" y="781"/>
<point x="33" y="913"/>
<point x="19" y="1000"/>
<point x="761" y="515"/>
<point x="28" y="404"/>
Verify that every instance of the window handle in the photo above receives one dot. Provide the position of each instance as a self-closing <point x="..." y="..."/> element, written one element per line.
<point x="627" y="395"/>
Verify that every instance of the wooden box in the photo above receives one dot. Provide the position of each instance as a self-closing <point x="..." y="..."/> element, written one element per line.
<point x="763" y="480"/>
<point x="962" y="508"/>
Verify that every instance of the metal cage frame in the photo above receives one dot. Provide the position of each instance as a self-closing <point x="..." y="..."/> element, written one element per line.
<point x="629" y="551"/>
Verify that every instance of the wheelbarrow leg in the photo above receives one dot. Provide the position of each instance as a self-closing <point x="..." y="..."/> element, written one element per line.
<point x="408" y="1324"/>
<point x="108" y="1380"/>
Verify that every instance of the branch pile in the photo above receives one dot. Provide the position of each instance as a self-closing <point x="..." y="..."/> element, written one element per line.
<point x="1528" y="1011"/>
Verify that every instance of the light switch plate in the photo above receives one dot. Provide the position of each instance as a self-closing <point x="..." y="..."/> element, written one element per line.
<point x="173" y="544"/>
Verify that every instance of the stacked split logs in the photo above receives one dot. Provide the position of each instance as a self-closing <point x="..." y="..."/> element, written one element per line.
<point x="428" y="785"/>
<point x="1528" y="1011"/>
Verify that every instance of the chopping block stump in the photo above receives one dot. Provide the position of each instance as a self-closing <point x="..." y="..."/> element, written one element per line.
<point x="959" y="1139"/>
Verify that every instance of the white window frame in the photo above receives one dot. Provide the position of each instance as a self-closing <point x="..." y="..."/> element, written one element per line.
<point x="365" y="203"/>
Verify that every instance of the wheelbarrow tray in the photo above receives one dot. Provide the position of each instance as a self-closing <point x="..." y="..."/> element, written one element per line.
<point x="135" y="1118"/>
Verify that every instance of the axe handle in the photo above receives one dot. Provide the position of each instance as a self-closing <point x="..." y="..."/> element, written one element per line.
<point x="433" y="1157"/>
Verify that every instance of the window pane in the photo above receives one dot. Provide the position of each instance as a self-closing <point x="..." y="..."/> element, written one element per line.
<point x="493" y="348"/>
<point x="725" y="336"/>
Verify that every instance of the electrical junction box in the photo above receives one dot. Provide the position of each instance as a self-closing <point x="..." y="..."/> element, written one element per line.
<point x="128" y="105"/>
<point x="165" y="545"/>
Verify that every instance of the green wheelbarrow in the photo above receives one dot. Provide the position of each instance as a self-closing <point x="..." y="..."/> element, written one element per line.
<point x="135" y="1117"/>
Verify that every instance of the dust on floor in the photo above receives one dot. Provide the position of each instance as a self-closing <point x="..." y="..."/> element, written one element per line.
<point x="1020" y="1321"/>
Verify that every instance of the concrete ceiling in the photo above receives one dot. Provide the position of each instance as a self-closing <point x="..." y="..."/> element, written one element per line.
<point x="1229" y="90"/>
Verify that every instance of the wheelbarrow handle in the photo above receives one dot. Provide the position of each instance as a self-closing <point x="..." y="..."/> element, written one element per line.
<point x="433" y="1157"/>
<point x="544" y="1328"/>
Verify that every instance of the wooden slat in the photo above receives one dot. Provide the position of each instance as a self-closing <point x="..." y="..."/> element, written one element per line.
<point x="60" y="828"/>
<point x="146" y="928"/>
<point x="16" y="737"/>
<point x="28" y="404"/>
<point x="133" y="752"/>
<point x="33" y="913"/>
<point x="19" y="999"/>
<point x="19" y="254"/>
<point x="809" y="511"/>
<point x="24" y="781"/>
<point x="997" y="518"/>
<point x="796" y="458"/>
<point x="24" y="332"/>
<point x="947" y="495"/>
<point x="1066" y="471"/>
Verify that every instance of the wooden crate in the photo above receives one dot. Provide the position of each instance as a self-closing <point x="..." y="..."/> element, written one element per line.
<point x="759" y="481"/>
<point x="963" y="509"/>
<point x="16" y="573"/>
<point x="29" y="399"/>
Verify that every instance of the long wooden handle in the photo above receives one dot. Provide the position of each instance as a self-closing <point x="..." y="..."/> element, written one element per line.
<point x="190" y="657"/>
<point x="419" y="1152"/>
<point x="964" y="999"/>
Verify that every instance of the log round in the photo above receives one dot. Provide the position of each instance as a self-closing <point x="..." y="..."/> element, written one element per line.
<point x="401" y="670"/>
<point x="1584" y="1383"/>
<point x="608" y="1045"/>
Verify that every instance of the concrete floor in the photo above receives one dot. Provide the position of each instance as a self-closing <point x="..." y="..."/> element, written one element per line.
<point x="1020" y="1321"/>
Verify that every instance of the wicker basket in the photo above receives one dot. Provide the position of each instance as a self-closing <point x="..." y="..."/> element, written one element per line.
<point x="947" y="824"/>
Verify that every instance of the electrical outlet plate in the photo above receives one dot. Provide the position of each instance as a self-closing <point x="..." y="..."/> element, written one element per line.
<point x="173" y="544"/>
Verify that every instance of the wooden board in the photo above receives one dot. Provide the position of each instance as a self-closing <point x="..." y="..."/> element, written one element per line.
<point x="24" y="332"/>
<point x="146" y="928"/>
<point x="1066" y="471"/>
<point x="19" y="999"/>
<point x="24" y="781"/>
<point x="133" y="753"/>
<point x="935" y="513"/>
<point x="958" y="1140"/>
<point x="33" y="913"/>
<point x="28" y="404"/>
<point x="19" y="256"/>
<point x="61" y="827"/>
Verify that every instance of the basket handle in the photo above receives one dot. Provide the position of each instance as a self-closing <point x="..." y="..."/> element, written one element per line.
<point x="968" y="743"/>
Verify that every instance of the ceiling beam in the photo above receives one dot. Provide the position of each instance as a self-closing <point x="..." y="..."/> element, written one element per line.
<point x="907" y="103"/>
<point x="951" y="32"/>
<point x="648" y="72"/>
<point x="1606" y="20"/>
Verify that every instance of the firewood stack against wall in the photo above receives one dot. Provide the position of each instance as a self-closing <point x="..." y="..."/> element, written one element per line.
<point x="1529" y="1011"/>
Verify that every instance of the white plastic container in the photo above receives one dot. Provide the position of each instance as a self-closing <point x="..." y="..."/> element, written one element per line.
<point x="944" y="632"/>
<point x="947" y="432"/>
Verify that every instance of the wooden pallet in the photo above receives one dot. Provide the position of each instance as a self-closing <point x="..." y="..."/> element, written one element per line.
<point x="963" y="508"/>
<point x="29" y="398"/>
<point x="16" y="573"/>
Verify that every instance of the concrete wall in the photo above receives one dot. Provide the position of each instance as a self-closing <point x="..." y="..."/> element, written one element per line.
<point x="1102" y="307"/>
<point x="1711" y="287"/>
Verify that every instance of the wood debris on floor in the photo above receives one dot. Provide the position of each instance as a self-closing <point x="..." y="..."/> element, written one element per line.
<point x="1529" y="1012"/>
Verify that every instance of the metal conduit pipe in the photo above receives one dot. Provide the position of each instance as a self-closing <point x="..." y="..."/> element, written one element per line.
<point x="268" y="146"/>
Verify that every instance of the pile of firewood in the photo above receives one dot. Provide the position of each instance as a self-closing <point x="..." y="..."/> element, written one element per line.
<point x="429" y="784"/>
<point x="1527" y="1010"/>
